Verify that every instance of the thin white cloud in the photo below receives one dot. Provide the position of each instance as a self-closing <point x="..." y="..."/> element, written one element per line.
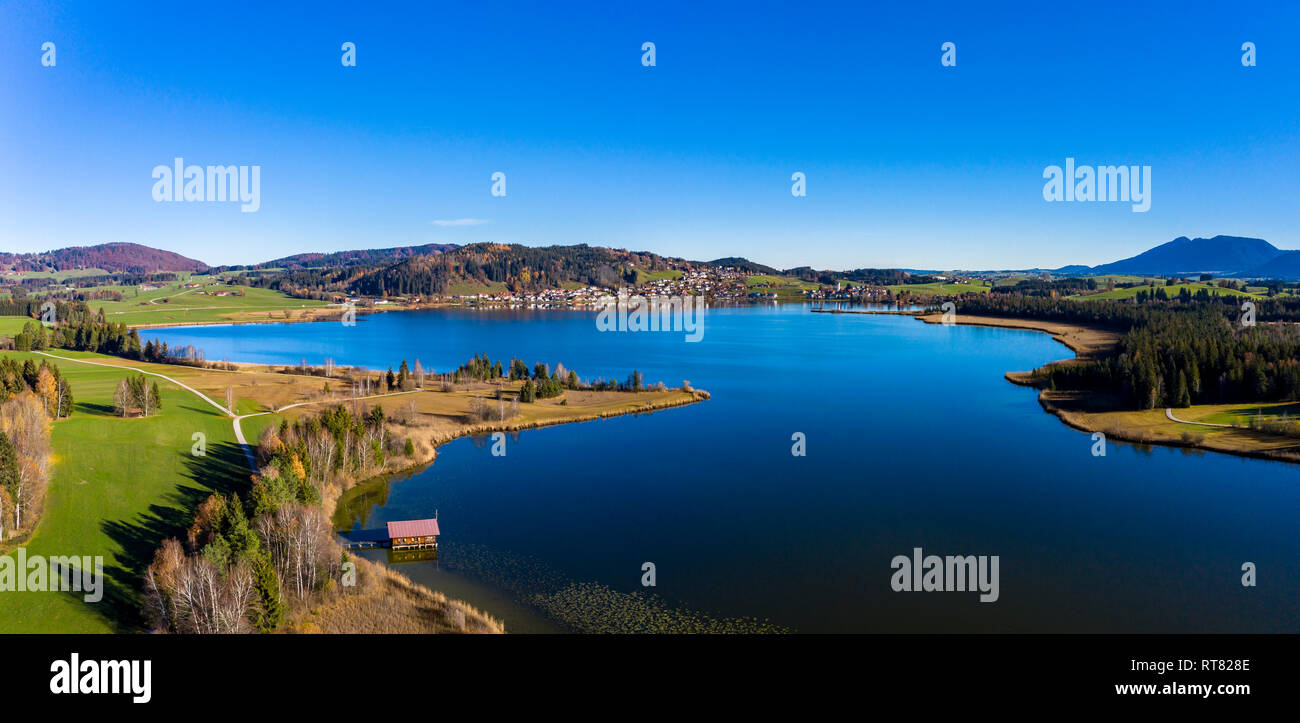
<point x="447" y="222"/>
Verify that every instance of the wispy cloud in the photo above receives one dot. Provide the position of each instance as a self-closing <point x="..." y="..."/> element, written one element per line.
<point x="446" y="222"/>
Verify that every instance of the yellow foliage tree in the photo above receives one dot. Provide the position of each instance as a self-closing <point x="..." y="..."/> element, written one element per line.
<point x="48" y="390"/>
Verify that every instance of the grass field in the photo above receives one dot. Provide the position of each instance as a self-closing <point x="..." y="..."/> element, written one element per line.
<point x="10" y="325"/>
<point x="938" y="288"/>
<point x="175" y="304"/>
<point x="118" y="487"/>
<point x="471" y="288"/>
<point x="1152" y="426"/>
<point x="1238" y="413"/>
<point x="57" y="275"/>
<point x="649" y="276"/>
<point x="782" y="286"/>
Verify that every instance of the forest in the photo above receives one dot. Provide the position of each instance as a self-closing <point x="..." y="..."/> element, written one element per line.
<point x="1172" y="352"/>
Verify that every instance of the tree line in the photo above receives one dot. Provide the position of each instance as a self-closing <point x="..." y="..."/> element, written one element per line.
<point x="45" y="380"/>
<point x="1173" y="353"/>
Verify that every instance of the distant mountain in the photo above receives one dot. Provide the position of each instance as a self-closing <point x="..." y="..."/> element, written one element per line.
<point x="129" y="257"/>
<point x="1071" y="270"/>
<point x="355" y="257"/>
<point x="1221" y="255"/>
<point x="1286" y="265"/>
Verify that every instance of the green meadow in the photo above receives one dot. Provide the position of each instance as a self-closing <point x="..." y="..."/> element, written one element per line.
<point x="10" y="325"/>
<point x="937" y="288"/>
<point x="471" y="288"/>
<point x="651" y="276"/>
<point x="58" y="275"/>
<point x="173" y="303"/>
<point x="1242" y="414"/>
<point x="785" y="287"/>
<point x="118" y="487"/>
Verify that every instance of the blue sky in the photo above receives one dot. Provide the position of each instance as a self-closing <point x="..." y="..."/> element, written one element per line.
<point x="908" y="163"/>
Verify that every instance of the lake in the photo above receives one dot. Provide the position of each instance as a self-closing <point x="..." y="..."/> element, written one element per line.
<point x="912" y="439"/>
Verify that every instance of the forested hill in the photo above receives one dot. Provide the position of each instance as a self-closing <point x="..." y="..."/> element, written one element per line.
<point x="520" y="268"/>
<point x="128" y="257"/>
<point x="480" y="265"/>
<point x="354" y="257"/>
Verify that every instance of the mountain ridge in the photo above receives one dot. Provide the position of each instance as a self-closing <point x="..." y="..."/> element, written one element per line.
<point x="118" y="256"/>
<point x="1221" y="255"/>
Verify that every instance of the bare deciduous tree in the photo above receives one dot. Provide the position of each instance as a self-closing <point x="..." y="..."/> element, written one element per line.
<point x="301" y="546"/>
<point x="122" y="398"/>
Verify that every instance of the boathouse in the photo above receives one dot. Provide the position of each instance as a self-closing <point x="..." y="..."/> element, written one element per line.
<point x="413" y="534"/>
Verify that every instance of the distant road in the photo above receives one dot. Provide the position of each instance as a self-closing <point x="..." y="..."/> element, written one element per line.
<point x="239" y="433"/>
<point x="1169" y="412"/>
<point x="182" y="385"/>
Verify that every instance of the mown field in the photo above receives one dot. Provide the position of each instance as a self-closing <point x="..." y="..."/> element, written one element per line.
<point x="785" y="287"/>
<point x="1153" y="426"/>
<point x="1239" y="413"/>
<point x="57" y="275"/>
<point x="10" y="325"/>
<point x="173" y="303"/>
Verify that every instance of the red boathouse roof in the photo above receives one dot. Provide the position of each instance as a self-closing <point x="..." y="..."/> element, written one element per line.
<point x="413" y="528"/>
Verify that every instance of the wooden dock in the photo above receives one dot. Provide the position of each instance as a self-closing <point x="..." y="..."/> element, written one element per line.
<point x="365" y="544"/>
<point x="399" y="534"/>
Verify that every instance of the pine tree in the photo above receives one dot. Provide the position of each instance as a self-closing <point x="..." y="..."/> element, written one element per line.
<point x="270" y="615"/>
<point x="1181" y="397"/>
<point x="8" y="472"/>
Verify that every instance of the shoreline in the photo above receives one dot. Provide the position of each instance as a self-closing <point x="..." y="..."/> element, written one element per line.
<point x="307" y="315"/>
<point x="1087" y="342"/>
<point x="435" y="439"/>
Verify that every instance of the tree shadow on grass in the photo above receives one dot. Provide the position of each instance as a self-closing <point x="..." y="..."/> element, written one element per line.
<point x="94" y="409"/>
<point x="223" y="470"/>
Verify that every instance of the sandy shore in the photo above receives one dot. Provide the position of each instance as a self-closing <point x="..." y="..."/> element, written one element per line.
<point x="1084" y="341"/>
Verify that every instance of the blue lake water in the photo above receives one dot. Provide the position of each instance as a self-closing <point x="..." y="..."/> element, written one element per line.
<point x="914" y="439"/>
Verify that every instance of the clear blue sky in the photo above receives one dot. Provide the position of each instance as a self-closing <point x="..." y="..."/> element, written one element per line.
<point x="908" y="163"/>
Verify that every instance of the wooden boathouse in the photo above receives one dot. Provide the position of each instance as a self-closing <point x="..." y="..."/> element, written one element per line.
<point x="413" y="534"/>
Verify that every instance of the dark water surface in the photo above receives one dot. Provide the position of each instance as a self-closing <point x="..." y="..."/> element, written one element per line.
<point x="914" y="439"/>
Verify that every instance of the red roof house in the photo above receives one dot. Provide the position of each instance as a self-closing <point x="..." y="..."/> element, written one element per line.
<point x="405" y="534"/>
